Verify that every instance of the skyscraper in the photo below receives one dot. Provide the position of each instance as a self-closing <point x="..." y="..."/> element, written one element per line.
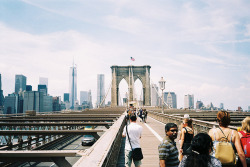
<point x="170" y="99"/>
<point x="20" y="83"/>
<point x="66" y="97"/>
<point x="43" y="89"/>
<point x="1" y="93"/>
<point x="100" y="90"/>
<point x="189" y="101"/>
<point x="11" y="104"/>
<point x="154" y="95"/>
<point x="90" y="99"/>
<point x="83" y="97"/>
<point x="72" y="86"/>
<point x="221" y="106"/>
<point x="43" y="81"/>
<point x="33" y="100"/>
<point x="199" y="104"/>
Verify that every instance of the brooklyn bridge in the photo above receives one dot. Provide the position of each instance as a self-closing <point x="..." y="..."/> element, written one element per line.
<point x="55" y="139"/>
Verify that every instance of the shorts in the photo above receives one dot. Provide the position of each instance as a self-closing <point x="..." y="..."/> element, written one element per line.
<point x="128" y="159"/>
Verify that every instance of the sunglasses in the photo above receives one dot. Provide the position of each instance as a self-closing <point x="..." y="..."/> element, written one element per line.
<point x="174" y="130"/>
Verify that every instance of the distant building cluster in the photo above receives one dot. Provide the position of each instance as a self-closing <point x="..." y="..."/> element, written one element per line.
<point x="25" y="98"/>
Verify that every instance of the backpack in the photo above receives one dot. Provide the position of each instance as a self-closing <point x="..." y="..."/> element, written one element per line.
<point x="245" y="143"/>
<point x="224" y="150"/>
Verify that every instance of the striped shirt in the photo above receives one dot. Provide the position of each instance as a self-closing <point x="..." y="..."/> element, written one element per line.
<point x="168" y="152"/>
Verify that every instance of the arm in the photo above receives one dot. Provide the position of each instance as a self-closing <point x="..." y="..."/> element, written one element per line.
<point x="181" y="129"/>
<point x="124" y="132"/>
<point x="210" y="133"/>
<point x="162" y="163"/>
<point x="240" y="152"/>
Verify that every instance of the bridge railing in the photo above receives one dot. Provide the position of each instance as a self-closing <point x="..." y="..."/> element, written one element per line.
<point x="104" y="153"/>
<point x="199" y="125"/>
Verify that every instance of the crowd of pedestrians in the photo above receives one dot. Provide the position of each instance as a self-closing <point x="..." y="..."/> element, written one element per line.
<point x="217" y="148"/>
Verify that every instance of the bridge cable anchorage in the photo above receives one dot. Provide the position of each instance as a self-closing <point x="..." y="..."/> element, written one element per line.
<point x="106" y="95"/>
<point x="159" y="95"/>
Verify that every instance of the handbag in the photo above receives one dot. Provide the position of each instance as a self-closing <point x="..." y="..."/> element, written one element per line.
<point x="225" y="152"/>
<point x="136" y="152"/>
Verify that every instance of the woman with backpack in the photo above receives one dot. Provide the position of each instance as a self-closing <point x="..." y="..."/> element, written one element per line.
<point x="187" y="134"/>
<point x="224" y="140"/>
<point x="244" y="134"/>
<point x="201" y="147"/>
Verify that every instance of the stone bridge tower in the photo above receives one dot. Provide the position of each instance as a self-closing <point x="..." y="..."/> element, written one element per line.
<point x="130" y="74"/>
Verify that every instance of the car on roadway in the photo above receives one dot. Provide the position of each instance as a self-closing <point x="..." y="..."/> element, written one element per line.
<point x="88" y="128"/>
<point x="88" y="140"/>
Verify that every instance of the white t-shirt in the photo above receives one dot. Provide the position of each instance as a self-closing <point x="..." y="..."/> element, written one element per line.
<point x="134" y="132"/>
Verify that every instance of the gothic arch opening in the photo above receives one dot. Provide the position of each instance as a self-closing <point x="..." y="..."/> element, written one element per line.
<point x="138" y="91"/>
<point x="123" y="92"/>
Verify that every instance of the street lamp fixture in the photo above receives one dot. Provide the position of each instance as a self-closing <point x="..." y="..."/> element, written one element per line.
<point x="162" y="87"/>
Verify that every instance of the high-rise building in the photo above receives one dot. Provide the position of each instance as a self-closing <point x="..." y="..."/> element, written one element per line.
<point x="100" y="90"/>
<point x="43" y="89"/>
<point x="33" y="100"/>
<point x="189" y="101"/>
<point x="170" y="99"/>
<point x="20" y="83"/>
<point x="28" y="88"/>
<point x="248" y="109"/>
<point x="154" y="95"/>
<point x="221" y="106"/>
<point x="56" y="104"/>
<point x="1" y="94"/>
<point x="72" y="86"/>
<point x="47" y="103"/>
<point x="83" y="97"/>
<point x="199" y="104"/>
<point x="11" y="104"/>
<point x="43" y="81"/>
<point x="90" y="99"/>
<point x="66" y="97"/>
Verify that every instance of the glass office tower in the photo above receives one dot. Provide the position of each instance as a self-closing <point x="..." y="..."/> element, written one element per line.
<point x="100" y="90"/>
<point x="20" y="83"/>
<point x="1" y="93"/>
<point x="72" y="86"/>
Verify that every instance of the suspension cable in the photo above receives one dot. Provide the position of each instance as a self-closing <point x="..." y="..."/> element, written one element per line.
<point x="106" y="94"/>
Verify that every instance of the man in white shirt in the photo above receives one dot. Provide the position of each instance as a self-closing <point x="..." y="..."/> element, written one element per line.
<point x="134" y="132"/>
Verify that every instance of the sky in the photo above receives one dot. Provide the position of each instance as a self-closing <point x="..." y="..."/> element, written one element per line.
<point x="200" y="47"/>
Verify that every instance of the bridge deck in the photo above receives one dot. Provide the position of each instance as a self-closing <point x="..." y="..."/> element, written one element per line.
<point x="149" y="143"/>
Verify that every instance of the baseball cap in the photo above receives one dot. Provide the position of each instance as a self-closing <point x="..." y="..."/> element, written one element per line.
<point x="186" y="116"/>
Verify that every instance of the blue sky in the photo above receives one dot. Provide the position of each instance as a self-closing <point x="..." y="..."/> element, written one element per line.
<point x="199" y="47"/>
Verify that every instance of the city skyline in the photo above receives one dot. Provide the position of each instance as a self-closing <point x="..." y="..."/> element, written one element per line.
<point x="199" y="48"/>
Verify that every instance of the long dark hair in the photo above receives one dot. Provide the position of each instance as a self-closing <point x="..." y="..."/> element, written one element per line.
<point x="201" y="145"/>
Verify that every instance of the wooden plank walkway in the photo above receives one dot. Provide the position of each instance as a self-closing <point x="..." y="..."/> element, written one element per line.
<point x="149" y="143"/>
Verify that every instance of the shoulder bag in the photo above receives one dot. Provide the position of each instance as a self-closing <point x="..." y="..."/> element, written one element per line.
<point x="224" y="151"/>
<point x="136" y="152"/>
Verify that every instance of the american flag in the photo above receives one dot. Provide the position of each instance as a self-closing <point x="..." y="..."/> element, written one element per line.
<point x="132" y="58"/>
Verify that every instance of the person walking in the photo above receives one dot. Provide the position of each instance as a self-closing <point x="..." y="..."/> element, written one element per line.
<point x="187" y="134"/>
<point x="134" y="132"/>
<point x="186" y="117"/>
<point x="223" y="133"/>
<point x="201" y="147"/>
<point x="244" y="134"/>
<point x="168" y="153"/>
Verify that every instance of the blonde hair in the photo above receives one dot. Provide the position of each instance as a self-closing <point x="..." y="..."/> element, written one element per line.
<point x="246" y="125"/>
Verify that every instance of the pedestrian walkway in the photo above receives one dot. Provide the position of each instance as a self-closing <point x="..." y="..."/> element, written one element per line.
<point x="153" y="132"/>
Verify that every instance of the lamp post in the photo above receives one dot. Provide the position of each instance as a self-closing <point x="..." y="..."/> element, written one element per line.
<point x="162" y="87"/>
